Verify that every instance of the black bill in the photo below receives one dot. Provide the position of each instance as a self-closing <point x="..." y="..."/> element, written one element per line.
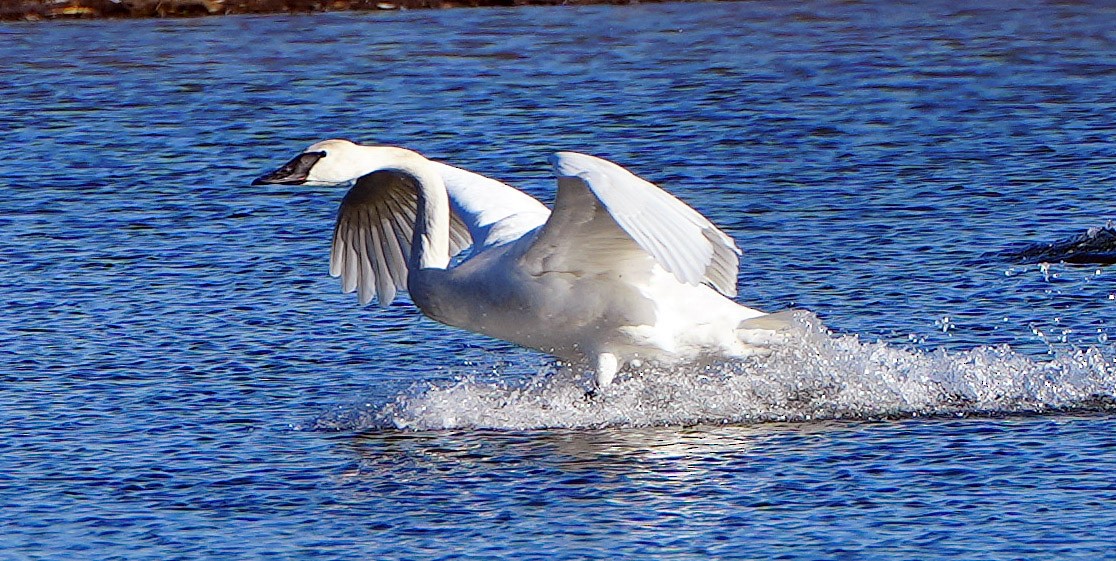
<point x="293" y="172"/>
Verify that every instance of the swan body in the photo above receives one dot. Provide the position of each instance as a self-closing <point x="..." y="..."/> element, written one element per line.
<point x="620" y="272"/>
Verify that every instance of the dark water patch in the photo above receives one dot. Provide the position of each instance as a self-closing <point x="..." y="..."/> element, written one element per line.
<point x="1097" y="246"/>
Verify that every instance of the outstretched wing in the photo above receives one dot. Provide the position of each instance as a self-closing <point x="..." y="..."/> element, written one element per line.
<point x="373" y="233"/>
<point x="494" y="212"/>
<point x="606" y="218"/>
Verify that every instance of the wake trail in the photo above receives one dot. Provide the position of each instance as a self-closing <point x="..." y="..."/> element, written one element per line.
<point x="816" y="376"/>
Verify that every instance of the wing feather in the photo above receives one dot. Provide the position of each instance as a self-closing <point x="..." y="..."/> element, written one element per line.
<point x="656" y="223"/>
<point x="389" y="242"/>
<point x="384" y="283"/>
<point x="335" y="253"/>
<point x="459" y="235"/>
<point x="349" y="277"/>
<point x="365" y="286"/>
<point x="401" y="219"/>
<point x="581" y="238"/>
<point x="373" y="234"/>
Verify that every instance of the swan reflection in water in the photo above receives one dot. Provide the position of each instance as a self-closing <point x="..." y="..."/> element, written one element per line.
<point x="619" y="273"/>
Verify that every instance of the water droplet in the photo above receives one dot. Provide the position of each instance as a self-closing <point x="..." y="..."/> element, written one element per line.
<point x="945" y="324"/>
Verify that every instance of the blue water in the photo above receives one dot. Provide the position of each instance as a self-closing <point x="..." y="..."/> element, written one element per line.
<point x="181" y="379"/>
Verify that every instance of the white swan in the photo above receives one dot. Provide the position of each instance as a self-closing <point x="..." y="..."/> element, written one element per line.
<point x="619" y="273"/>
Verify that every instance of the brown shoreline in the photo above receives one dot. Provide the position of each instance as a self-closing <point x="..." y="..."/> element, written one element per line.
<point x="36" y="10"/>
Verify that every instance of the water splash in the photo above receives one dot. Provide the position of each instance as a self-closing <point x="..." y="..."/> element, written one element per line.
<point x="820" y="376"/>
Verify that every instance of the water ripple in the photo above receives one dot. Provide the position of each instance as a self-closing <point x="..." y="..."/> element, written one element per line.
<point x="170" y="332"/>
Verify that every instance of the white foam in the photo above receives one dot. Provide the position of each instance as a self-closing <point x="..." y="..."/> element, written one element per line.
<point x="819" y="376"/>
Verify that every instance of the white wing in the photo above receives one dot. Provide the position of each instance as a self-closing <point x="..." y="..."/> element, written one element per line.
<point x="494" y="212"/>
<point x="373" y="233"/>
<point x="606" y="218"/>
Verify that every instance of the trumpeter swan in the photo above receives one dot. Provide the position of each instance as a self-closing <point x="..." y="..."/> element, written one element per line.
<point x="620" y="272"/>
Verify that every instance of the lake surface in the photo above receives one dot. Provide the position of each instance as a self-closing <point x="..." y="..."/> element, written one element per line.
<point x="181" y="379"/>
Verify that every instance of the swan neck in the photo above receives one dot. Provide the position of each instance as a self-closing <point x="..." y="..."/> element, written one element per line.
<point x="430" y="246"/>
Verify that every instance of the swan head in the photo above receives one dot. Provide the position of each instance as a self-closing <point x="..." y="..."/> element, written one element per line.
<point x="330" y="162"/>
